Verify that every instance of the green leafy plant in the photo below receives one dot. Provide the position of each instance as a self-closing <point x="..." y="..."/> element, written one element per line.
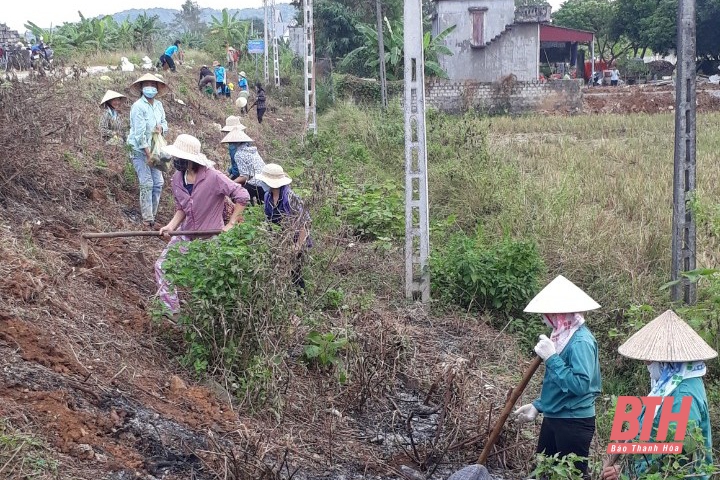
<point x="555" y="467"/>
<point x="691" y="463"/>
<point x="474" y="273"/>
<point x="234" y="290"/>
<point x="373" y="211"/>
<point x="323" y="349"/>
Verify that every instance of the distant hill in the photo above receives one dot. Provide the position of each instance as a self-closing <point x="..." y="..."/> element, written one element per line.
<point x="167" y="15"/>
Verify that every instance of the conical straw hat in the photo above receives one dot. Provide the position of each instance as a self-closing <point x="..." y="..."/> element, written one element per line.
<point x="236" y="135"/>
<point x="561" y="296"/>
<point x="109" y="95"/>
<point x="667" y="339"/>
<point x="136" y="88"/>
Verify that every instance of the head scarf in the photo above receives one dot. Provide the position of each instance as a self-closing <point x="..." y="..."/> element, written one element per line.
<point x="564" y="325"/>
<point x="666" y="376"/>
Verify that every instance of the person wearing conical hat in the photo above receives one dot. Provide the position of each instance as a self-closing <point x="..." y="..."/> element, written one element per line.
<point x="200" y="192"/>
<point x="111" y="123"/>
<point x="675" y="356"/>
<point x="147" y="117"/>
<point x="247" y="164"/>
<point x="231" y="123"/>
<point x="572" y="372"/>
<point x="244" y="90"/>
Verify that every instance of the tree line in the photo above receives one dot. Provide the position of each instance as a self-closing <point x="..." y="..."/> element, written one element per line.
<point x="144" y="33"/>
<point x="637" y="27"/>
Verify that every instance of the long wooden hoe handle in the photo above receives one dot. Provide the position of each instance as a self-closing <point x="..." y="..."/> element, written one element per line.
<point x="517" y="391"/>
<point x="149" y="233"/>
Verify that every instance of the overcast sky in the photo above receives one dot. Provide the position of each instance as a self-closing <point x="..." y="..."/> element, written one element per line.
<point x="57" y="12"/>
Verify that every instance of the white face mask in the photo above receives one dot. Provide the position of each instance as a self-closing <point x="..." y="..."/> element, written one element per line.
<point x="655" y="369"/>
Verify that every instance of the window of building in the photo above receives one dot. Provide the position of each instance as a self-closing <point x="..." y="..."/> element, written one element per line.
<point x="477" y="14"/>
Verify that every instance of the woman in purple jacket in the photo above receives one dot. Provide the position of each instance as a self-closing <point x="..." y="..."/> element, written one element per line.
<point x="199" y="192"/>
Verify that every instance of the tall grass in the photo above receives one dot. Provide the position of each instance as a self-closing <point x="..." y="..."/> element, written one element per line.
<point x="594" y="192"/>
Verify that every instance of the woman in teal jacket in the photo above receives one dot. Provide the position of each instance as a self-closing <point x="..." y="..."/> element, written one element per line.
<point x="675" y="356"/>
<point x="572" y="372"/>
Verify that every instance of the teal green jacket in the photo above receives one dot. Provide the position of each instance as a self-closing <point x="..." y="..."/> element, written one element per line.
<point x="699" y="413"/>
<point x="572" y="379"/>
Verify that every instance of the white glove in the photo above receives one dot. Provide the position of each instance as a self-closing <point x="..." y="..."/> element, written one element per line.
<point x="526" y="413"/>
<point x="545" y="348"/>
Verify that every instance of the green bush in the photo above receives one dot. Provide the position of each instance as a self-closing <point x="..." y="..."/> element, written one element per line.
<point x="473" y="273"/>
<point x="233" y="290"/>
<point x="373" y="211"/>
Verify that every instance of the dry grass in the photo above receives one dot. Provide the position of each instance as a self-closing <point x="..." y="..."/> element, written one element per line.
<point x="597" y="193"/>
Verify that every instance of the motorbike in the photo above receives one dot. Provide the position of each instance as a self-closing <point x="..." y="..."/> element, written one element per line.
<point x="41" y="58"/>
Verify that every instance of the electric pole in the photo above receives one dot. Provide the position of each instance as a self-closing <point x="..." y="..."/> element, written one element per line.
<point x="381" y="54"/>
<point x="683" y="229"/>
<point x="276" y="54"/>
<point x="309" y="73"/>
<point x="265" y="61"/>
<point x="417" y="227"/>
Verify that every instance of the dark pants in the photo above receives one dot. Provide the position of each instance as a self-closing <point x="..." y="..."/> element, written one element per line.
<point x="166" y="59"/>
<point x="224" y="90"/>
<point x="613" y="83"/>
<point x="257" y="194"/>
<point x="567" y="435"/>
<point x="260" y="113"/>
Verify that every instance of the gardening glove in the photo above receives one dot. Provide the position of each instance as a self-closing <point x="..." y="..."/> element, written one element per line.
<point x="526" y="413"/>
<point x="545" y="348"/>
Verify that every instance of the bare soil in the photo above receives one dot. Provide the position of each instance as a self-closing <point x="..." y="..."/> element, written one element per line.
<point x="645" y="99"/>
<point x="86" y="370"/>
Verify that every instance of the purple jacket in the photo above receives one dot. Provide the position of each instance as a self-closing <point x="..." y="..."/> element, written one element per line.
<point x="204" y="207"/>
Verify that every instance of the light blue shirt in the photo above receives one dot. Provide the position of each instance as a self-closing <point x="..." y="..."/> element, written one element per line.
<point x="171" y="50"/>
<point x="243" y="84"/>
<point x="572" y="379"/>
<point x="220" y="74"/>
<point x="144" y="117"/>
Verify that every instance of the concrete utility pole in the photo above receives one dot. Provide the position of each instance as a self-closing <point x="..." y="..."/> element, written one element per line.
<point x="309" y="74"/>
<point x="381" y="54"/>
<point x="683" y="229"/>
<point x="417" y="227"/>
<point x="276" y="54"/>
<point x="266" y="75"/>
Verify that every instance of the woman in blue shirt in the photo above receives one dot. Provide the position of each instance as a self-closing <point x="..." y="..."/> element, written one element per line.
<point x="220" y="79"/>
<point x="147" y="117"/>
<point x="167" y="57"/>
<point x="572" y="372"/>
<point x="675" y="356"/>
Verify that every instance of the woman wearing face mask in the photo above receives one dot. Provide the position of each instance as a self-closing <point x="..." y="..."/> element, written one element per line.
<point x="199" y="192"/>
<point x="147" y="116"/>
<point x="675" y="356"/>
<point x="572" y="372"/>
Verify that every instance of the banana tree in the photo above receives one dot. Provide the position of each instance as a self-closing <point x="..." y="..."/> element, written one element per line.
<point x="364" y="59"/>
<point x="145" y="30"/>
<point x="229" y="28"/>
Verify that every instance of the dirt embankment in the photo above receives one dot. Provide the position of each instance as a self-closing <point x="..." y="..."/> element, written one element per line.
<point x="84" y="368"/>
<point x="645" y="99"/>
